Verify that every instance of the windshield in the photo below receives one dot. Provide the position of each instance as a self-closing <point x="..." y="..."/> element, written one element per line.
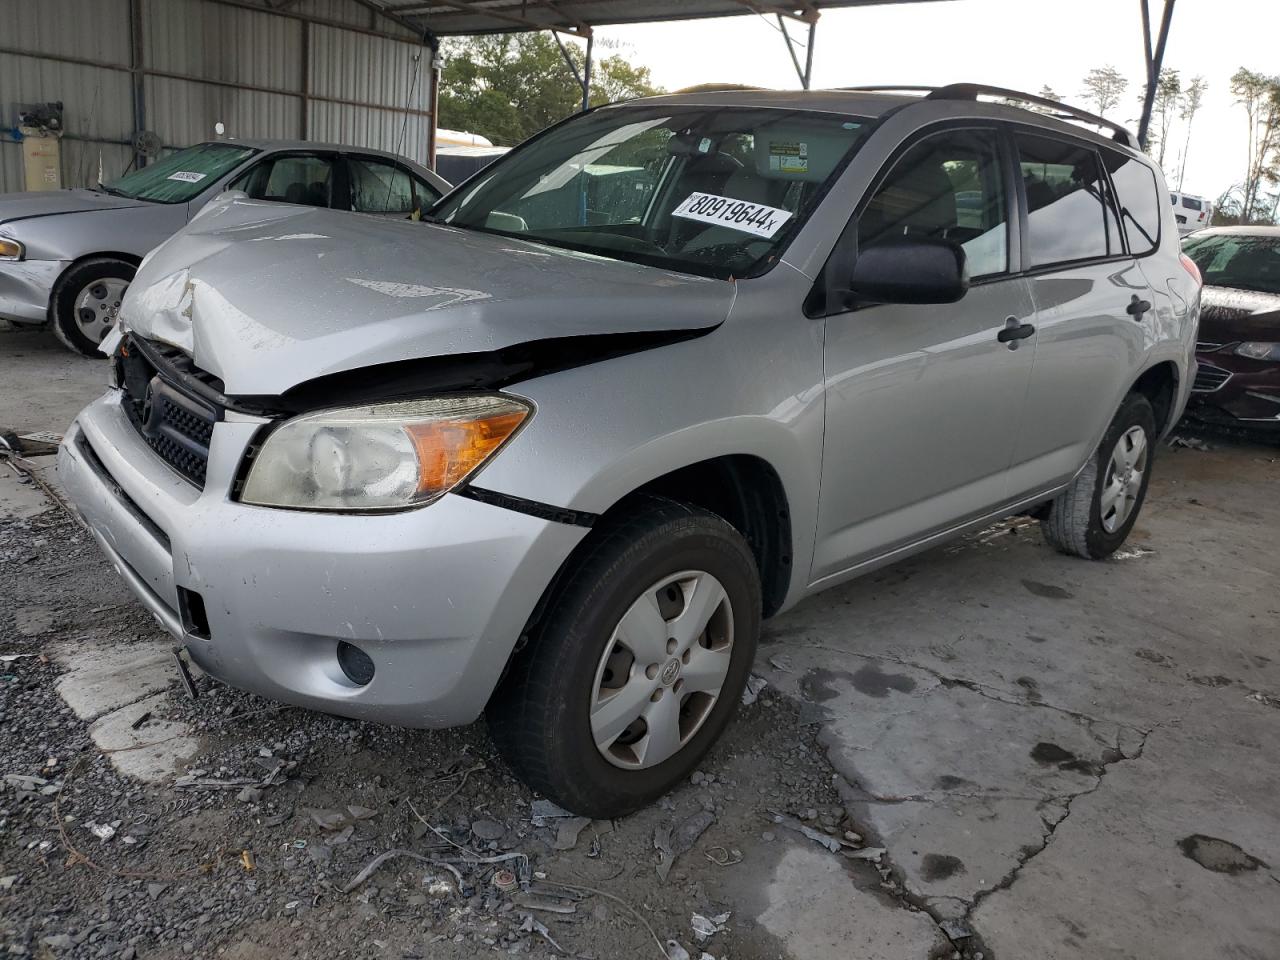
<point x="709" y="190"/>
<point x="180" y="176"/>
<point x="1237" y="260"/>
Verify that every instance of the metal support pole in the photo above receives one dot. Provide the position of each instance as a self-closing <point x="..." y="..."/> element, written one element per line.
<point x="808" y="55"/>
<point x="586" y="74"/>
<point x="304" y="124"/>
<point x="1154" y="60"/>
<point x="433" y="101"/>
<point x="136" y="66"/>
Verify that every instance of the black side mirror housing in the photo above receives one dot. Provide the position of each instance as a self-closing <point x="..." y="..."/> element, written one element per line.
<point x="910" y="270"/>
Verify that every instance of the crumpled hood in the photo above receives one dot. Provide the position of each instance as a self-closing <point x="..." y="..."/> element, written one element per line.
<point x="1228" y="315"/>
<point x="47" y="203"/>
<point x="265" y="296"/>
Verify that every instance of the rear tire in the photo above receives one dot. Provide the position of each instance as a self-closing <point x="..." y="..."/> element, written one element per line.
<point x="86" y="301"/>
<point x="1093" y="516"/>
<point x="644" y="581"/>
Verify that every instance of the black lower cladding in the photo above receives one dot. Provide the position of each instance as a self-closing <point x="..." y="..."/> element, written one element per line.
<point x="174" y="422"/>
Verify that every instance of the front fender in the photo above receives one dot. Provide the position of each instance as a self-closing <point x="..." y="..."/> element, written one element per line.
<point x="752" y="386"/>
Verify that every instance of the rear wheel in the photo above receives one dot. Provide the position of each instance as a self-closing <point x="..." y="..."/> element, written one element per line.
<point x="638" y="664"/>
<point x="1093" y="516"/>
<point x="87" y="301"/>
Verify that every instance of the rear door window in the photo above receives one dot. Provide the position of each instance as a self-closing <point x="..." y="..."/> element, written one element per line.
<point x="946" y="187"/>
<point x="1138" y="195"/>
<point x="1069" y="211"/>
<point x="301" y="178"/>
<point x="380" y="186"/>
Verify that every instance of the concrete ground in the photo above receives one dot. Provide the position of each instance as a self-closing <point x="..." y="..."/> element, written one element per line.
<point x="1061" y="760"/>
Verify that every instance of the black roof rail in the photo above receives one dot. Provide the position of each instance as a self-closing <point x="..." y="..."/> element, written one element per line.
<point x="971" y="91"/>
<point x="890" y="88"/>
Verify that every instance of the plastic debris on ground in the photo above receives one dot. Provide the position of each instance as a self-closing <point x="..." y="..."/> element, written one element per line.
<point x="704" y="928"/>
<point x="752" y="690"/>
<point x="671" y="840"/>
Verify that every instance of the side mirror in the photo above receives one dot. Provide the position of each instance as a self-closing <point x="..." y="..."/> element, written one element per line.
<point x="907" y="270"/>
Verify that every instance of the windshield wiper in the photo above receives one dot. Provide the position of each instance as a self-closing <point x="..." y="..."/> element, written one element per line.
<point x="103" y="188"/>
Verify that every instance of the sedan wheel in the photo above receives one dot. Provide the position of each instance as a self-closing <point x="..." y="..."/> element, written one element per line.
<point x="98" y="305"/>
<point x="86" y="302"/>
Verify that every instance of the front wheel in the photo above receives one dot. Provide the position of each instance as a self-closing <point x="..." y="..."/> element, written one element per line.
<point x="638" y="664"/>
<point x="1093" y="516"/>
<point x="86" y="302"/>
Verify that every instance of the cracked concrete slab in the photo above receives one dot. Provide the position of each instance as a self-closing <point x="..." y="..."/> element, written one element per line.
<point x="151" y="753"/>
<point x="992" y="706"/>
<point x="101" y="678"/>
<point x="1119" y="878"/>
<point x="960" y="785"/>
<point x="114" y="685"/>
<point x="815" y="910"/>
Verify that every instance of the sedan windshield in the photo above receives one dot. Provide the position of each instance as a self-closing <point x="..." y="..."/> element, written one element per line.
<point x="182" y="175"/>
<point x="709" y="190"/>
<point x="1240" y="260"/>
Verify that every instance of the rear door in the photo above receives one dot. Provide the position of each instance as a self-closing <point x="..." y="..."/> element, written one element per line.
<point x="1091" y="301"/>
<point x="924" y="402"/>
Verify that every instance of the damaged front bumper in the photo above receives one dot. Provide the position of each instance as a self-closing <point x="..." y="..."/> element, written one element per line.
<point x="264" y="599"/>
<point x="25" y="288"/>
<point x="1236" y="391"/>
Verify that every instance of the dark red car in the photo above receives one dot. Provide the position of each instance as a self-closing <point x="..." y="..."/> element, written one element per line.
<point x="1238" y="379"/>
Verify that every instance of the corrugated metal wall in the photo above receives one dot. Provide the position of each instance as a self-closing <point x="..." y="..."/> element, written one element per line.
<point x="204" y="62"/>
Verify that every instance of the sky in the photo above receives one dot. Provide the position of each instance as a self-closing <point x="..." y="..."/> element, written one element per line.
<point x="1023" y="44"/>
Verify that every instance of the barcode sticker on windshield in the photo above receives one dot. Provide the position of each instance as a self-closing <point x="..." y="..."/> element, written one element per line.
<point x="735" y="214"/>
<point x="187" y="176"/>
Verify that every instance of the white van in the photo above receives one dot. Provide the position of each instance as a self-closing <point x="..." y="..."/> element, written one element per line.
<point x="1193" y="213"/>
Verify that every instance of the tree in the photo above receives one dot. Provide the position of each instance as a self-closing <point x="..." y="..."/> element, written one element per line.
<point x="1049" y="93"/>
<point x="507" y="87"/>
<point x="1192" y="98"/>
<point x="1259" y="94"/>
<point x="1104" y="87"/>
<point x="1163" y="108"/>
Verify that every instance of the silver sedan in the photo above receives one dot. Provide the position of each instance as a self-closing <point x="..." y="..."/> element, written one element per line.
<point x="67" y="256"/>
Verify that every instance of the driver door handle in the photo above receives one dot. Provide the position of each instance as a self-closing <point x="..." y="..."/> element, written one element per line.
<point x="1137" y="307"/>
<point x="1014" y="330"/>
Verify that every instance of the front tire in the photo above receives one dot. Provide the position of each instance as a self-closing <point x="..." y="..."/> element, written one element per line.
<point x="1093" y="516"/>
<point x="637" y="665"/>
<point x="86" y="302"/>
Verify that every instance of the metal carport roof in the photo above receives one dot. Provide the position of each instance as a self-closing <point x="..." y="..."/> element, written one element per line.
<point x="449" y="17"/>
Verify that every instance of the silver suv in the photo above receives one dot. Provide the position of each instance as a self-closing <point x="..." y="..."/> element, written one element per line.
<point x="666" y="369"/>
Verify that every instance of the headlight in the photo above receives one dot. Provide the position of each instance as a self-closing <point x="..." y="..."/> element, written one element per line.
<point x="1259" y="351"/>
<point x="380" y="457"/>
<point x="11" y="249"/>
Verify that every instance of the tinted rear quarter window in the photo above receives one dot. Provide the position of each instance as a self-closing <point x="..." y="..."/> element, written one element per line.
<point x="1139" y="197"/>
<point x="1069" y="214"/>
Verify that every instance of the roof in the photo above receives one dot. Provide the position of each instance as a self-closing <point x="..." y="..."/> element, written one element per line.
<point x="852" y="102"/>
<point x="869" y="104"/>
<point x="448" y="17"/>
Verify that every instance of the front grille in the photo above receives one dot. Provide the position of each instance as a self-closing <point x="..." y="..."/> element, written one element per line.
<point x="1209" y="378"/>
<point x="174" y="421"/>
<point x="1204" y="346"/>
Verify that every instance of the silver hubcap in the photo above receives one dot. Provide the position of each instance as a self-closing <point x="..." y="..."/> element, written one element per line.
<point x="662" y="670"/>
<point x="98" y="305"/>
<point x="1124" y="479"/>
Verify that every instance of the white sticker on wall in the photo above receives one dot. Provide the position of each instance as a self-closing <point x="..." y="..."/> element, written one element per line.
<point x="187" y="176"/>
<point x="754" y="218"/>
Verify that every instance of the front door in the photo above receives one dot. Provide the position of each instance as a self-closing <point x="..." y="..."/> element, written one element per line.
<point x="924" y="403"/>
